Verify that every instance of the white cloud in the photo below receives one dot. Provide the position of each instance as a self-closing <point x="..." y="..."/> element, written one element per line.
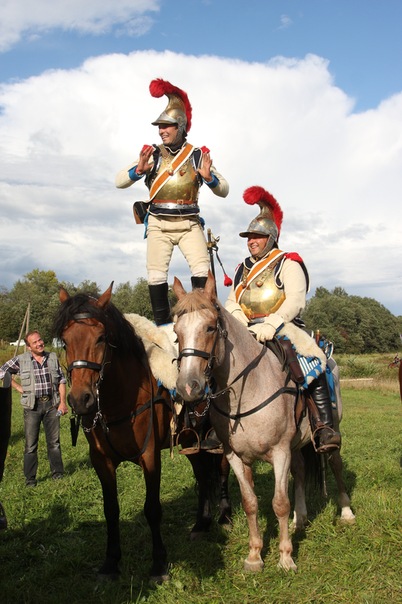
<point x="22" y="18"/>
<point x="283" y="125"/>
<point x="286" y="22"/>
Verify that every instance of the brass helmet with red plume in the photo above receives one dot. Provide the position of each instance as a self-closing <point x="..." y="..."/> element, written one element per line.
<point x="269" y="221"/>
<point x="178" y="110"/>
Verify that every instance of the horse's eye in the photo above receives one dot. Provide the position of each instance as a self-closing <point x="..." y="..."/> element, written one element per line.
<point x="211" y="328"/>
<point x="101" y="339"/>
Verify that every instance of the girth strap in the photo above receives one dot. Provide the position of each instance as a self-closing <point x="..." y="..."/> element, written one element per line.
<point x="283" y="390"/>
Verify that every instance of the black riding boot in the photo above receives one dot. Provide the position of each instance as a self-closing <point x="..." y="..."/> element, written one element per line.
<point x="328" y="438"/>
<point x="198" y="282"/>
<point x="160" y="303"/>
<point x="211" y="442"/>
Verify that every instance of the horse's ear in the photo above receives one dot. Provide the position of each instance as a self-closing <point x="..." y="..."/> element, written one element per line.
<point x="104" y="299"/>
<point x="63" y="295"/>
<point x="210" y="287"/>
<point x="178" y="288"/>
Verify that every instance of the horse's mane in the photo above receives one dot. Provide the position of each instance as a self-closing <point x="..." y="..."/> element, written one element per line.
<point x="192" y="302"/>
<point x="120" y="333"/>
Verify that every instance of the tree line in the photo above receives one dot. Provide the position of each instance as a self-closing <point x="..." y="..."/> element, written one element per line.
<point x="354" y="324"/>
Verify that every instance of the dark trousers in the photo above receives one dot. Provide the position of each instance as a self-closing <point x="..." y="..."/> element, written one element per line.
<point x="45" y="413"/>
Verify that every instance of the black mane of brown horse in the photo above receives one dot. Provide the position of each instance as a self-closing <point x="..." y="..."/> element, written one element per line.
<point x="120" y="332"/>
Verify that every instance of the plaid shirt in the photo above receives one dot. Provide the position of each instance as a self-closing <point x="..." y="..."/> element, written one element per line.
<point x="43" y="383"/>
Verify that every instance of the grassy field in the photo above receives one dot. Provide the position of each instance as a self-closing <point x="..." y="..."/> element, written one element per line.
<point x="56" y="536"/>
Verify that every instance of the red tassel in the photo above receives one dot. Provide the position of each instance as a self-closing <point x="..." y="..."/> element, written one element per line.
<point x="204" y="149"/>
<point x="227" y="281"/>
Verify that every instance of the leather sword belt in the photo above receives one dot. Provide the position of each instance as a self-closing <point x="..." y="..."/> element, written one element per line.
<point x="176" y="202"/>
<point x="44" y="399"/>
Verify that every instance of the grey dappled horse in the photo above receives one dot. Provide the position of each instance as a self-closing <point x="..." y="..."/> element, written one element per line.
<point x="251" y="409"/>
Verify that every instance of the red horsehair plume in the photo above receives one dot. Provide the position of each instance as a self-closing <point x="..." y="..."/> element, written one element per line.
<point x="259" y="195"/>
<point x="159" y="87"/>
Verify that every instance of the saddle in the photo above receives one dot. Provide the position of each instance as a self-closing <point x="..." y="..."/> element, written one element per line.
<point x="287" y="356"/>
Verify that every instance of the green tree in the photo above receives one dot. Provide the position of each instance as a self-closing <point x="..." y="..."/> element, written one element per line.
<point x="37" y="290"/>
<point x="135" y="298"/>
<point x="85" y="287"/>
<point x="353" y="324"/>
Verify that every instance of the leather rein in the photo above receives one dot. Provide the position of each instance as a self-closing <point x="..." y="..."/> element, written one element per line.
<point x="99" y="418"/>
<point x="209" y="396"/>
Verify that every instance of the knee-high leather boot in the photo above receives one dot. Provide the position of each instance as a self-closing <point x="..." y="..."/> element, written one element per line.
<point x="198" y="282"/>
<point x="160" y="303"/>
<point x="328" y="438"/>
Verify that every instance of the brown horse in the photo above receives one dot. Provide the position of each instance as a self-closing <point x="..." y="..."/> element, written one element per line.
<point x="125" y="416"/>
<point x="252" y="409"/>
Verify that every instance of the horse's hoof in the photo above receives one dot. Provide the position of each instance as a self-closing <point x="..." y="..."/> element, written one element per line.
<point x="254" y="567"/>
<point x="298" y="526"/>
<point x="225" y="522"/>
<point x="349" y="521"/>
<point x="109" y="571"/>
<point x="288" y="565"/>
<point x="196" y="536"/>
<point x="199" y="529"/>
<point x="106" y="577"/>
<point x="159" y="579"/>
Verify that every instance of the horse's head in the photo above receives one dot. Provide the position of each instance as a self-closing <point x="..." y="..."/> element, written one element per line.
<point x="198" y="329"/>
<point x="80" y="324"/>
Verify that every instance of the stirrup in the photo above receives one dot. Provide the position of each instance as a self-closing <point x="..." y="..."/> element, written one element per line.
<point x="211" y="444"/>
<point x="324" y="447"/>
<point x="195" y="448"/>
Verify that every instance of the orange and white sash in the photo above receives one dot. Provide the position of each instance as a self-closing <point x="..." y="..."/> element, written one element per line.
<point x="256" y="270"/>
<point x="165" y="175"/>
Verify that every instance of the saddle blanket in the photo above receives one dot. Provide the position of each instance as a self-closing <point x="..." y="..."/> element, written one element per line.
<point x="311" y="358"/>
<point x="160" y="350"/>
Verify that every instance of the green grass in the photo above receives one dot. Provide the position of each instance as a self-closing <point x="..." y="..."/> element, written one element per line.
<point x="56" y="536"/>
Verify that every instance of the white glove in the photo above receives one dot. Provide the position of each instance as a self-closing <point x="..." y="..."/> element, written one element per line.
<point x="266" y="330"/>
<point x="240" y="316"/>
<point x="263" y="331"/>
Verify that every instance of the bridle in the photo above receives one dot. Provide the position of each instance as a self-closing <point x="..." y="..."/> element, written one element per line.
<point x="98" y="417"/>
<point x="210" y="357"/>
<point x="84" y="364"/>
<point x="210" y="396"/>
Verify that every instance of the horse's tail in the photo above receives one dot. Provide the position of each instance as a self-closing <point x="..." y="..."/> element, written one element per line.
<point x="211" y="472"/>
<point x="314" y="471"/>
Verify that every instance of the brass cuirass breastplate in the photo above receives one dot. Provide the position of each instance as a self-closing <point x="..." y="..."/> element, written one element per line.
<point x="261" y="297"/>
<point x="183" y="185"/>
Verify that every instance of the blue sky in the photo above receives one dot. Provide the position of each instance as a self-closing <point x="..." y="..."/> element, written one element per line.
<point x="303" y="97"/>
<point x="361" y="39"/>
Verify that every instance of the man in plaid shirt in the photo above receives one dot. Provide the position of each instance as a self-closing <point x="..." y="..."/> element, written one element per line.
<point x="42" y="387"/>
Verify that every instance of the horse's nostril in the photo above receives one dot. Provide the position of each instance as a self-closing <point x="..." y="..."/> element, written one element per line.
<point x="88" y="400"/>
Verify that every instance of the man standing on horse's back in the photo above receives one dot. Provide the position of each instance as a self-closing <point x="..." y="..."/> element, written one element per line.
<point x="269" y="293"/>
<point x="174" y="172"/>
